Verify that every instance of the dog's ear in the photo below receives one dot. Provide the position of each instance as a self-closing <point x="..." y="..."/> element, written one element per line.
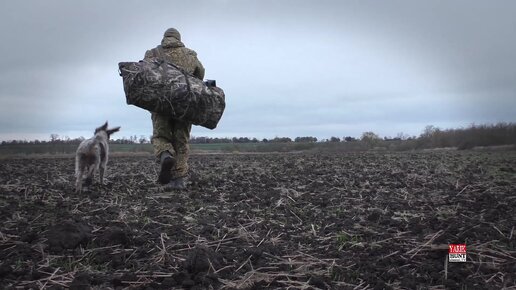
<point x="112" y="130"/>
<point x="102" y="128"/>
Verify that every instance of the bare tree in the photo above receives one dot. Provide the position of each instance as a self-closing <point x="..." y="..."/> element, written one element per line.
<point x="370" y="139"/>
<point x="54" y="137"/>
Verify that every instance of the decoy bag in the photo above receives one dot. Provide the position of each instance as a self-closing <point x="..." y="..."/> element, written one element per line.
<point x="161" y="87"/>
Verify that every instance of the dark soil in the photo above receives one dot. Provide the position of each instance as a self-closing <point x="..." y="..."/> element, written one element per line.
<point x="263" y="221"/>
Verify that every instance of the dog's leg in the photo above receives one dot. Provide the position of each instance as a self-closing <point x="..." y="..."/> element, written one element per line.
<point x="78" y="183"/>
<point x="103" y="146"/>
<point x="98" y="168"/>
<point x="78" y="174"/>
<point x="89" y="175"/>
<point x="80" y="177"/>
<point x="101" y="173"/>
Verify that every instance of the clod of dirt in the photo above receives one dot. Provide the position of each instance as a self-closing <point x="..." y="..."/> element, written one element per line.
<point x="29" y="237"/>
<point x="67" y="235"/>
<point x="178" y="278"/>
<point x="199" y="260"/>
<point x="81" y="282"/>
<point x="188" y="283"/>
<point x="122" y="281"/>
<point x="114" y="236"/>
<point x="5" y="270"/>
<point x="168" y="282"/>
<point x="318" y="281"/>
<point x="374" y="216"/>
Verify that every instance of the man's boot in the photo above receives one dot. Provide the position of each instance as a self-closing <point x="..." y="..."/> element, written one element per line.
<point x="167" y="162"/>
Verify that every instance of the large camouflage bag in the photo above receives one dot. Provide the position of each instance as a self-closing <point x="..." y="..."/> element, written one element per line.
<point x="161" y="87"/>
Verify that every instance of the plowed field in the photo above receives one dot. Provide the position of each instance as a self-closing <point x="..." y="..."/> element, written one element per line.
<point x="263" y="221"/>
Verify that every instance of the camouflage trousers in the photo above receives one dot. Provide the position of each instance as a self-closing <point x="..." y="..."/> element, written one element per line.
<point x="172" y="135"/>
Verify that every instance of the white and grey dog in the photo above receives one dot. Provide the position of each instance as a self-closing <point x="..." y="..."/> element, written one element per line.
<point x="91" y="155"/>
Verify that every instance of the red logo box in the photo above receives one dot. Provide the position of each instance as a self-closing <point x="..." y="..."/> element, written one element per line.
<point x="457" y="252"/>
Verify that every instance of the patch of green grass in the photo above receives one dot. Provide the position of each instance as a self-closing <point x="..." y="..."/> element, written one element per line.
<point x="344" y="240"/>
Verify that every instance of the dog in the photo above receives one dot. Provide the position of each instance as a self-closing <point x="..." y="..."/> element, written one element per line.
<point x="92" y="155"/>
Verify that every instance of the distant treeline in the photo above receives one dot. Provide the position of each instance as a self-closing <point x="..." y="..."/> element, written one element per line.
<point x="467" y="138"/>
<point x="208" y="140"/>
<point x="431" y="137"/>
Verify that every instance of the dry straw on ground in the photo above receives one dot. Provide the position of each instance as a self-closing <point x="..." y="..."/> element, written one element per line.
<point x="263" y="221"/>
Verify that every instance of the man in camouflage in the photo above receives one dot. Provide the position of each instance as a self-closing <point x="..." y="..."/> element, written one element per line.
<point x="170" y="136"/>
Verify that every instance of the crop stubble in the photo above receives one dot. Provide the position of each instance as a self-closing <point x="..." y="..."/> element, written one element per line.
<point x="256" y="221"/>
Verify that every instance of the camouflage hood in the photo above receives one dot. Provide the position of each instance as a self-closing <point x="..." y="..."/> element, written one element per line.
<point x="171" y="42"/>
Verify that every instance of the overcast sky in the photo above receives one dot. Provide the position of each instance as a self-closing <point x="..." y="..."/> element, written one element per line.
<point x="288" y="68"/>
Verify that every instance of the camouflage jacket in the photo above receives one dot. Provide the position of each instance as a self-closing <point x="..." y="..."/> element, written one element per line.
<point x="176" y="53"/>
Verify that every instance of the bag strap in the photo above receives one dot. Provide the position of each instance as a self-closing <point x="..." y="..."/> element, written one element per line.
<point x="162" y="56"/>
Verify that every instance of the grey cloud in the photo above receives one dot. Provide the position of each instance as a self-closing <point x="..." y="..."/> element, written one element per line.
<point x="288" y="67"/>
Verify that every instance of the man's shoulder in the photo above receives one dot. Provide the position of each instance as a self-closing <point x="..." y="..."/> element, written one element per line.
<point x="189" y="51"/>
